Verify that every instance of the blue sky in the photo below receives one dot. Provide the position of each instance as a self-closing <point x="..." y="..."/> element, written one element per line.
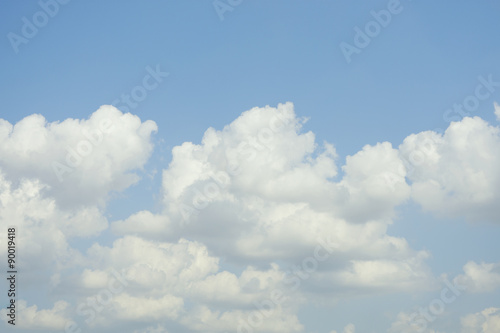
<point x="429" y="57"/>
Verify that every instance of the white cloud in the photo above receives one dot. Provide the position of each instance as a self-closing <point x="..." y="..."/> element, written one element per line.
<point x="203" y="319"/>
<point x="406" y="323"/>
<point x="81" y="160"/>
<point x="145" y="224"/>
<point x="497" y="110"/>
<point x="375" y="183"/>
<point x="486" y="321"/>
<point x="138" y="308"/>
<point x="155" y="265"/>
<point x="161" y="277"/>
<point x="350" y="328"/>
<point x="456" y="174"/>
<point x="480" y="278"/>
<point x="260" y="195"/>
<point x="183" y="269"/>
<point x="151" y="329"/>
<point x="403" y="274"/>
<point x="43" y="229"/>
<point x="260" y="190"/>
<point x="29" y="317"/>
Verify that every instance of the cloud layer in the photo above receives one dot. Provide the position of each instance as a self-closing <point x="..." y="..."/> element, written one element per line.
<point x="82" y="161"/>
<point x="256" y="221"/>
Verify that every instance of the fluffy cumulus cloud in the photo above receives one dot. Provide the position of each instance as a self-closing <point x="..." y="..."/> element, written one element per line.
<point x="43" y="229"/>
<point x="479" y="278"/>
<point x="456" y="174"/>
<point x="81" y="160"/>
<point x="145" y="224"/>
<point x="53" y="207"/>
<point x="159" y="278"/>
<point x="276" y="320"/>
<point x="486" y="321"/>
<point x="262" y="190"/>
<point x="49" y="214"/>
<point x="255" y="221"/>
<point x="30" y="317"/>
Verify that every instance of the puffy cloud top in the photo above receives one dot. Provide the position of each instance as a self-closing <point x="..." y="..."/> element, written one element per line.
<point x="81" y="160"/>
